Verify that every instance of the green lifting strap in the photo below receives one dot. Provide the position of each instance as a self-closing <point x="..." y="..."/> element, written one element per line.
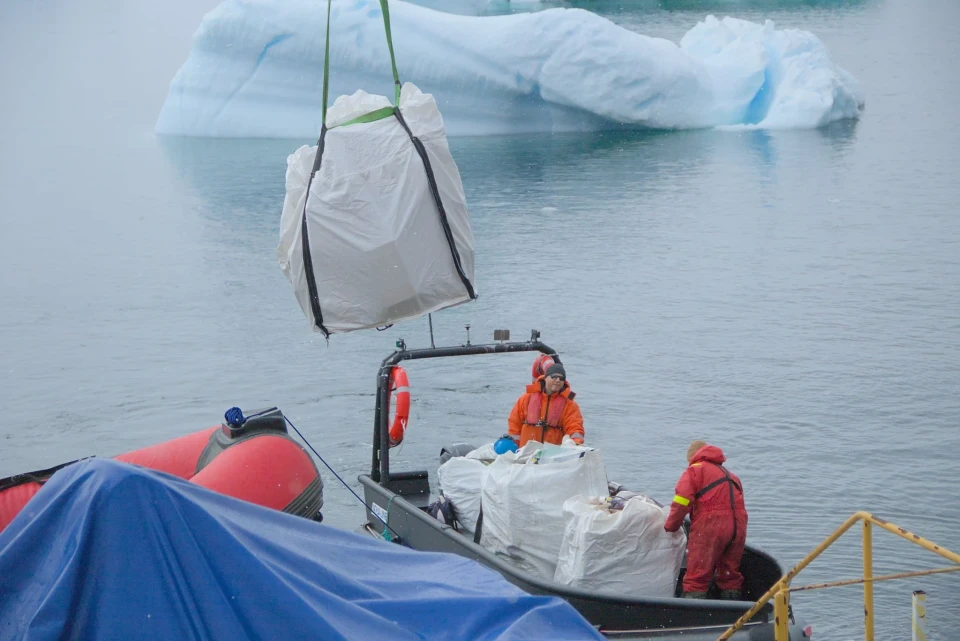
<point x="378" y="114"/>
<point x="326" y="67"/>
<point x="393" y="61"/>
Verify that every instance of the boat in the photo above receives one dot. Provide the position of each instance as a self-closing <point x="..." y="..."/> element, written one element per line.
<point x="247" y="457"/>
<point x="397" y="504"/>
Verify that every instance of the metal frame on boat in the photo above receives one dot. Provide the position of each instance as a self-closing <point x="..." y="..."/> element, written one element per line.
<point x="396" y="509"/>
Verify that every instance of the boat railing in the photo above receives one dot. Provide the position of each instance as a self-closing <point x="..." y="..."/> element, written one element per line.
<point x="780" y="592"/>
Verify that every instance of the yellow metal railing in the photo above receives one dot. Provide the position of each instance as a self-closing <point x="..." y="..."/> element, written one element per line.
<point x="780" y="592"/>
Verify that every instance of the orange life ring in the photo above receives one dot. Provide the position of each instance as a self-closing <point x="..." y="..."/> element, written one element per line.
<point x="540" y="365"/>
<point x="401" y="386"/>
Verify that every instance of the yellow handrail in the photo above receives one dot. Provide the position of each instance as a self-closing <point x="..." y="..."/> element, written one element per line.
<point x="780" y="592"/>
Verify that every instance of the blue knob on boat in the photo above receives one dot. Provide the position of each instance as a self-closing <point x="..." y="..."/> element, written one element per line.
<point x="234" y="417"/>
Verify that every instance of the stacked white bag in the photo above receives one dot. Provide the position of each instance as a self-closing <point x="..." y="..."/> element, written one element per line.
<point x="523" y="494"/>
<point x="461" y="479"/>
<point x="621" y="551"/>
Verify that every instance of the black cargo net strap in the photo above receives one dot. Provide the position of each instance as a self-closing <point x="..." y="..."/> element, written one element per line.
<point x="478" y="529"/>
<point x="304" y="233"/>
<point x="305" y="241"/>
<point x="431" y="179"/>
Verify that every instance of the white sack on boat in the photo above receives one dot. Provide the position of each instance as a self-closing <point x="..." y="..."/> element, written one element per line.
<point x="483" y="453"/>
<point x="461" y="479"/>
<point x="378" y="250"/>
<point x="523" y="496"/>
<point x="620" y="551"/>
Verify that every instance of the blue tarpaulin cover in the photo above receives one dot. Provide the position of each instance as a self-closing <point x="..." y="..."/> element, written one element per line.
<point x="110" y="551"/>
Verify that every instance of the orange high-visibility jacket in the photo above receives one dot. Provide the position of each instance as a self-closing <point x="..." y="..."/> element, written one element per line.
<point x="539" y="417"/>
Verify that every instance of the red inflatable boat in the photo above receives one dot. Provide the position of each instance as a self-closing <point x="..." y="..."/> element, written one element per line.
<point x="251" y="458"/>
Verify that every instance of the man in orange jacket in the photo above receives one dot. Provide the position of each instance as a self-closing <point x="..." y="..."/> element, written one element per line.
<point x="718" y="523"/>
<point x="547" y="411"/>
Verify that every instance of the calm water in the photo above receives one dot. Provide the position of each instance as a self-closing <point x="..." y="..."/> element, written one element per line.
<point x="793" y="297"/>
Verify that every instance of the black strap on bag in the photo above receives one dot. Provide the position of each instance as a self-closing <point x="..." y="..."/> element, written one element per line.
<point x="435" y="192"/>
<point x="477" y="530"/>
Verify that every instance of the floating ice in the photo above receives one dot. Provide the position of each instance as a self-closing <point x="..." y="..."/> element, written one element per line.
<point x="474" y="7"/>
<point x="256" y="67"/>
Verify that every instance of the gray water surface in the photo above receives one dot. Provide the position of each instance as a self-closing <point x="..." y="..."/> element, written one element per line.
<point x="790" y="296"/>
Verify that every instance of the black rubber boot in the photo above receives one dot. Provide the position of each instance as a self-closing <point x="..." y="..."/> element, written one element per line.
<point x="731" y="595"/>
<point x="694" y="595"/>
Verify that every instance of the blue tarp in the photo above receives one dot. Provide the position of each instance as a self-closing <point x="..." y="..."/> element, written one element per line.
<point x="110" y="551"/>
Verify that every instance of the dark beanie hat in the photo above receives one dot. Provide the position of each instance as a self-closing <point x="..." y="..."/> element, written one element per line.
<point x="556" y="368"/>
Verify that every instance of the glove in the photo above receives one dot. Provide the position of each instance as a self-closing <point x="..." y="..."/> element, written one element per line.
<point x="505" y="444"/>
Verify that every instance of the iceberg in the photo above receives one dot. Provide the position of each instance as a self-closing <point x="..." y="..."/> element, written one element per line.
<point x="255" y="70"/>
<point x="473" y="7"/>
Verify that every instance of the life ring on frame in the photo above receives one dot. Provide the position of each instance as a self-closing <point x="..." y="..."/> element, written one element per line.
<point x="540" y="365"/>
<point x="401" y="386"/>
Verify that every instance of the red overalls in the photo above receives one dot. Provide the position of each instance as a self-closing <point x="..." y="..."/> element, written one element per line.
<point x="718" y="521"/>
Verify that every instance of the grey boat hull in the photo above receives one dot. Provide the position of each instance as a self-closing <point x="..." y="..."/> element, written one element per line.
<point x="615" y="616"/>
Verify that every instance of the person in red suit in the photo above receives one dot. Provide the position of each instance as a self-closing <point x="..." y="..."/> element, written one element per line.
<point x="713" y="496"/>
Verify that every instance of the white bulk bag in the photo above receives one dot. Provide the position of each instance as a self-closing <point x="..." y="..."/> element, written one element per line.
<point x="460" y="479"/>
<point x="625" y="552"/>
<point x="483" y="453"/>
<point x="378" y="249"/>
<point x="523" y="496"/>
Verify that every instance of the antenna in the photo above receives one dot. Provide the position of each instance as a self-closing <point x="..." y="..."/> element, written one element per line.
<point x="468" y="334"/>
<point x="430" y="319"/>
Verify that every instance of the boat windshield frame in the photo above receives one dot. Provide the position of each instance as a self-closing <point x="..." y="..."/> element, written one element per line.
<point x="380" y="464"/>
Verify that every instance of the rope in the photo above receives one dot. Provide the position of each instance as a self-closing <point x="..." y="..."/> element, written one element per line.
<point x="386" y="535"/>
<point x="332" y="471"/>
